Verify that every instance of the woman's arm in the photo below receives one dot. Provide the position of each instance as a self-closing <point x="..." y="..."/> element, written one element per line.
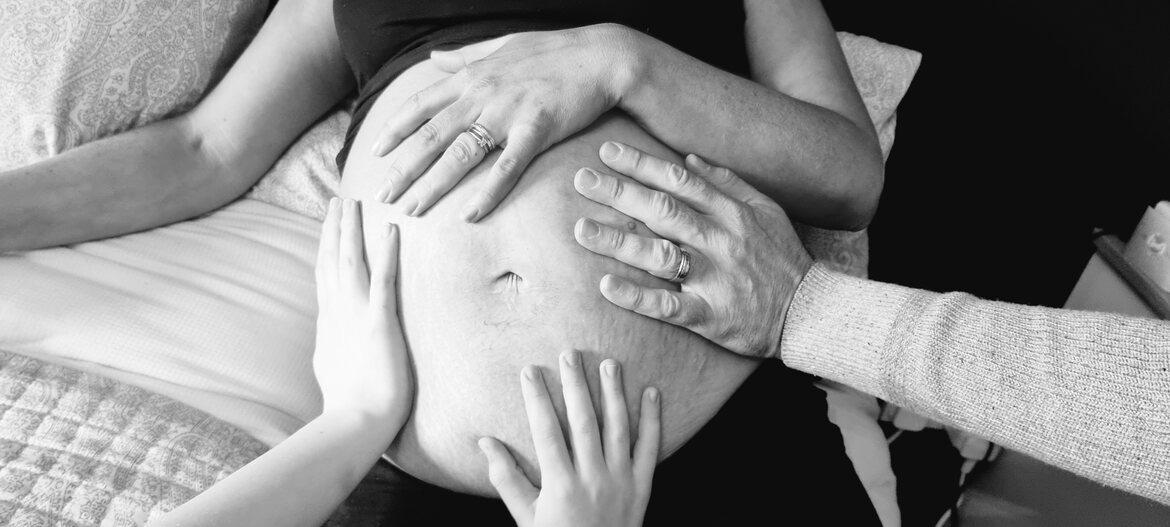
<point x="1088" y="392"/>
<point x="362" y="366"/>
<point x="803" y="136"/>
<point x="799" y="133"/>
<point x="185" y="166"/>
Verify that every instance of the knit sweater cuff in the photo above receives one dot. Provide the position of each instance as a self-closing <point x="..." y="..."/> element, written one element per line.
<point x="837" y="325"/>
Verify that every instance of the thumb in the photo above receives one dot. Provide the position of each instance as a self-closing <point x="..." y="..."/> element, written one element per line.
<point x="449" y="61"/>
<point x="457" y="59"/>
<point x="517" y="492"/>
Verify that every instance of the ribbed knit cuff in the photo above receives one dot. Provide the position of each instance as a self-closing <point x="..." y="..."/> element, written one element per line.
<point x="837" y="327"/>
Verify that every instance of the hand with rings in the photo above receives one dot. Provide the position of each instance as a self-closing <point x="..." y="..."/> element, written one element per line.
<point x="524" y="93"/>
<point x="732" y="250"/>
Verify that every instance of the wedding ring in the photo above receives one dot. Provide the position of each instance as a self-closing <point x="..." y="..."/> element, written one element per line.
<point x="482" y="137"/>
<point x="684" y="267"/>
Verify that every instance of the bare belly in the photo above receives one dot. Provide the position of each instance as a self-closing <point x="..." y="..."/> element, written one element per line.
<point x="481" y="301"/>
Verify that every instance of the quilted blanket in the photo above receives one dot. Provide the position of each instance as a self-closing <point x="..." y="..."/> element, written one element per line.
<point x="77" y="449"/>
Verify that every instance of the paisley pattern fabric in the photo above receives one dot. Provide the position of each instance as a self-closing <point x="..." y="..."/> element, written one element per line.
<point x="79" y="449"/>
<point x="72" y="71"/>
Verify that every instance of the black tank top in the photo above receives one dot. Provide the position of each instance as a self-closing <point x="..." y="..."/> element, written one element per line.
<point x="382" y="38"/>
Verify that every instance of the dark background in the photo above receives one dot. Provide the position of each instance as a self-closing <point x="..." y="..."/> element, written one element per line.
<point x="1027" y="125"/>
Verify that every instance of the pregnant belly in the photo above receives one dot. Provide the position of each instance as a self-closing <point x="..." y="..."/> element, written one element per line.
<point x="480" y="301"/>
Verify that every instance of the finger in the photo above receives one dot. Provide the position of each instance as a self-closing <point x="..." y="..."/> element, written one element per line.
<point x="656" y="256"/>
<point x="353" y="276"/>
<point x="616" y="426"/>
<point x="327" y="251"/>
<point x="456" y="59"/>
<point x="459" y="158"/>
<point x="418" y="151"/>
<point x="517" y="492"/>
<point x="665" y="176"/>
<point x="679" y="308"/>
<point x="725" y="180"/>
<point x="525" y="141"/>
<point x="415" y="111"/>
<point x="582" y="418"/>
<point x="384" y="272"/>
<point x="546" y="430"/>
<point x="661" y="212"/>
<point x="649" y="438"/>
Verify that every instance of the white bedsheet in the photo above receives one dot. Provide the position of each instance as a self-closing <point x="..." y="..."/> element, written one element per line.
<point x="217" y="313"/>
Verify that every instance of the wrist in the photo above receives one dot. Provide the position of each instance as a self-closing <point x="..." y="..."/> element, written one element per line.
<point x="794" y="275"/>
<point x="626" y="67"/>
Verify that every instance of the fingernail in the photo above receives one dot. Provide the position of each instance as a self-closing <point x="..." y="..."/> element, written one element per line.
<point x="587" y="229"/>
<point x="572" y="358"/>
<point x="410" y="207"/>
<point x="383" y="194"/>
<point x="482" y="444"/>
<point x="531" y="373"/>
<point x="587" y="179"/>
<point x="471" y="214"/>
<point x="610" y="150"/>
<point x="610" y="368"/>
<point x="652" y="394"/>
<point x="698" y="162"/>
<point x="334" y="202"/>
<point x="377" y="148"/>
<point x="390" y="228"/>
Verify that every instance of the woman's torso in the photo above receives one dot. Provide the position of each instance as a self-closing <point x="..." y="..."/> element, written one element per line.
<point x="380" y="39"/>
<point x="480" y="301"/>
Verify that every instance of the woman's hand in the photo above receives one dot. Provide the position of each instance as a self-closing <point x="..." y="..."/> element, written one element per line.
<point x="361" y="361"/>
<point x="529" y="91"/>
<point x="746" y="260"/>
<point x="601" y="484"/>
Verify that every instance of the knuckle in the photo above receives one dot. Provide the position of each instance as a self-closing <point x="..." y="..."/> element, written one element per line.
<point x="482" y="83"/>
<point x="741" y="214"/>
<point x="428" y="133"/>
<point x="506" y="167"/>
<point x="414" y="102"/>
<point x="616" y="188"/>
<point x="664" y="205"/>
<point x="617" y="239"/>
<point x="664" y="254"/>
<point x="677" y="175"/>
<point x="461" y="151"/>
<point x="669" y="306"/>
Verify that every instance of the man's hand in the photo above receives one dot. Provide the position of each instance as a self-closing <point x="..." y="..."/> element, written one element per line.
<point x="745" y="258"/>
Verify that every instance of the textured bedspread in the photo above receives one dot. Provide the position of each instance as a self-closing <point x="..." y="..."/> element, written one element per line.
<point x="79" y="449"/>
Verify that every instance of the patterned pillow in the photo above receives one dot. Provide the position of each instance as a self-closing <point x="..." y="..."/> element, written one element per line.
<point x="72" y="71"/>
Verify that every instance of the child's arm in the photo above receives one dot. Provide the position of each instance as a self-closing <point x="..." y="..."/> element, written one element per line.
<point x="362" y="366"/>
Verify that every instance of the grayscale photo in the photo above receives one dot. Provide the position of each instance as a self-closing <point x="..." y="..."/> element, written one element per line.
<point x="564" y="263"/>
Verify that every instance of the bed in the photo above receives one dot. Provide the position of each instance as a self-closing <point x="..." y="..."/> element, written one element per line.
<point x="137" y="371"/>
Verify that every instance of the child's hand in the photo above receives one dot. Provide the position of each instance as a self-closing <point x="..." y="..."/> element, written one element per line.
<point x="361" y="361"/>
<point x="600" y="485"/>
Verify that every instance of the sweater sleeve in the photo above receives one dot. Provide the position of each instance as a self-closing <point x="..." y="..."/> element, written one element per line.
<point x="1088" y="392"/>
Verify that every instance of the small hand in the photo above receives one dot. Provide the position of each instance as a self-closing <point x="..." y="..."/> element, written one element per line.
<point x="528" y="91"/>
<point x="361" y="362"/>
<point x="601" y="485"/>
<point x="746" y="258"/>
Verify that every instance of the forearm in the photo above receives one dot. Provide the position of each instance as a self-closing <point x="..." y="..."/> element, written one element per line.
<point x="1089" y="392"/>
<point x="822" y="167"/>
<point x="299" y="482"/>
<point x="129" y="182"/>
